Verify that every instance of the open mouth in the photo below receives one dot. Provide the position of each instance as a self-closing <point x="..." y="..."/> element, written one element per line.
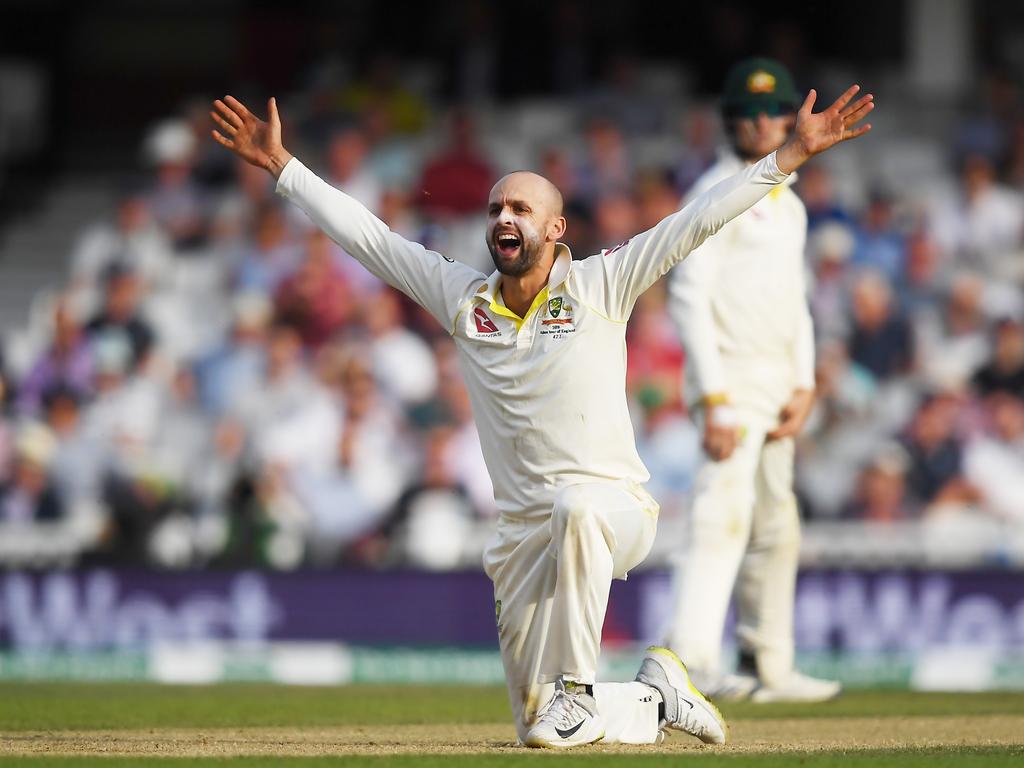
<point x="508" y="243"/>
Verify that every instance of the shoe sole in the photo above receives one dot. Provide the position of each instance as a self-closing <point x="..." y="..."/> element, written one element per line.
<point x="540" y="744"/>
<point x="759" y="697"/>
<point x="710" y="705"/>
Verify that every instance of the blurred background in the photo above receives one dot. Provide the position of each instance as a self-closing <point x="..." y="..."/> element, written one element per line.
<point x="228" y="452"/>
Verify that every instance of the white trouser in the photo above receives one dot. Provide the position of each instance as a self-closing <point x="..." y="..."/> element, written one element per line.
<point x="551" y="582"/>
<point x="744" y="530"/>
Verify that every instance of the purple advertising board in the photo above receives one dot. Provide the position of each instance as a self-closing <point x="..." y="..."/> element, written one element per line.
<point x="125" y="609"/>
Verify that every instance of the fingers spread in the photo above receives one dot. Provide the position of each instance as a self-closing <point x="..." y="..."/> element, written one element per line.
<point x="221" y="140"/>
<point x="843" y="100"/>
<point x="853" y="134"/>
<point x="238" y="106"/>
<point x="227" y="113"/>
<point x="225" y="126"/>
<point x="858" y="104"/>
<point x="859" y="113"/>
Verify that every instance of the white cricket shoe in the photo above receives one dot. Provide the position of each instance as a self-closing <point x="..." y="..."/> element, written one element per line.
<point x="734" y="687"/>
<point x="686" y="708"/>
<point x="569" y="719"/>
<point x="798" y="688"/>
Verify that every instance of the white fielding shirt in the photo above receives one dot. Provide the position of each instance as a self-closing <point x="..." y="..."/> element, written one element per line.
<point x="548" y="390"/>
<point x="740" y="305"/>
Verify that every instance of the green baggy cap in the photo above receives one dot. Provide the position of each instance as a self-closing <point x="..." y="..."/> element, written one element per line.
<point x="759" y="85"/>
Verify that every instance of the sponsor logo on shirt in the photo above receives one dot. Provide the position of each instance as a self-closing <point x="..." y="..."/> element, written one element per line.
<point x="484" y="325"/>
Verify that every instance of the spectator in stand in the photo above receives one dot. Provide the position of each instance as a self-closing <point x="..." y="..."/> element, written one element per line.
<point x="432" y="525"/>
<point x="919" y="287"/>
<point x="934" y="452"/>
<point x="954" y="343"/>
<point x="263" y="263"/>
<point x="177" y="203"/>
<point x="615" y="219"/>
<point x="133" y="239"/>
<point x="984" y="224"/>
<point x="655" y="362"/>
<point x="236" y="366"/>
<point x="699" y="150"/>
<point x="382" y="87"/>
<point x="67" y="362"/>
<point x="994" y="462"/>
<point x="880" y="340"/>
<point x="816" y="190"/>
<point x="880" y="245"/>
<point x="239" y="206"/>
<point x="287" y="425"/>
<point x="402" y="361"/>
<point x="346" y="166"/>
<point x="456" y="182"/>
<point x="370" y="461"/>
<point x="78" y="462"/>
<point x="1004" y="371"/>
<point x="881" y="493"/>
<point x="30" y="496"/>
<point x="315" y="298"/>
<point x="607" y="168"/>
<point x="122" y="311"/>
<point x="830" y="247"/>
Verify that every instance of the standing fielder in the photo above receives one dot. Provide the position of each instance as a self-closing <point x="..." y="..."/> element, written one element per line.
<point x="542" y="347"/>
<point x="742" y="314"/>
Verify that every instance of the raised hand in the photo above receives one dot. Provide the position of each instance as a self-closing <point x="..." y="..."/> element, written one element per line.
<point x="256" y="141"/>
<point x="816" y="132"/>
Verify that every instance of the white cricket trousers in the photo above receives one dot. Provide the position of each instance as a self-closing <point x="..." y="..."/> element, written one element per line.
<point x="551" y="582"/>
<point x="743" y="531"/>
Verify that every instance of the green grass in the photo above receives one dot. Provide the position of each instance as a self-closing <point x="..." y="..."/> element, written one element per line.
<point x="57" y="707"/>
<point x="86" y="706"/>
<point x="923" y="758"/>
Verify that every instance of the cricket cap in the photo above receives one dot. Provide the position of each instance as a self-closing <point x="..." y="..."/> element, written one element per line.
<point x="759" y="85"/>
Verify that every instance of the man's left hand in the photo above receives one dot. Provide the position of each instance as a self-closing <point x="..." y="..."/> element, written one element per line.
<point x="793" y="415"/>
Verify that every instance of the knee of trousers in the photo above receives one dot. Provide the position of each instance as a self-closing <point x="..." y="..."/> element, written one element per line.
<point x="574" y="510"/>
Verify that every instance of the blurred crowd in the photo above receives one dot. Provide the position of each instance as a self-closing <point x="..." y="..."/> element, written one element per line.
<point x="218" y="383"/>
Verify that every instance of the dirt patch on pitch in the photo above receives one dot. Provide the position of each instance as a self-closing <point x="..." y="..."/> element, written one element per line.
<point x="776" y="735"/>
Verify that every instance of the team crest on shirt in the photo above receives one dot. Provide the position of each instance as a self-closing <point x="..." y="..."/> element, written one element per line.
<point x="560" y="320"/>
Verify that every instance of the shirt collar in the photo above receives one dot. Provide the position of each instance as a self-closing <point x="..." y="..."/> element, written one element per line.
<point x="488" y="290"/>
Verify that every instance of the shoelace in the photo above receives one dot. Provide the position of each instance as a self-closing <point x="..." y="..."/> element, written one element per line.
<point x="690" y="722"/>
<point x="560" y="709"/>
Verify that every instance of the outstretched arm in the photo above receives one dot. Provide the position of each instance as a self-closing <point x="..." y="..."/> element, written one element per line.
<point x="633" y="267"/>
<point x="434" y="282"/>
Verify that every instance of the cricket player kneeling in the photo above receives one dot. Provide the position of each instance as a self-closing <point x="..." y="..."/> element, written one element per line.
<point x="541" y="343"/>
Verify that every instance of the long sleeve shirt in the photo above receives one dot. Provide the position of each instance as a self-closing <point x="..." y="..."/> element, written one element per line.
<point x="739" y="302"/>
<point x="547" y="389"/>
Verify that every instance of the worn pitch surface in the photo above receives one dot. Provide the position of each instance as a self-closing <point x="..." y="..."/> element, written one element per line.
<point x="81" y="724"/>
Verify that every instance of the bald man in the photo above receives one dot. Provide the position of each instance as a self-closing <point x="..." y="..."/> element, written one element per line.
<point x="541" y="343"/>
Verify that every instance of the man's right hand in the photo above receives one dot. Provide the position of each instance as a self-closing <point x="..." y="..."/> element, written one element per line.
<point x="721" y="433"/>
<point x="255" y="141"/>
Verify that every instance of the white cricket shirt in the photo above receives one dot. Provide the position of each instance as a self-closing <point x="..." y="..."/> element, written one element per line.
<point x="740" y="302"/>
<point x="548" y="390"/>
